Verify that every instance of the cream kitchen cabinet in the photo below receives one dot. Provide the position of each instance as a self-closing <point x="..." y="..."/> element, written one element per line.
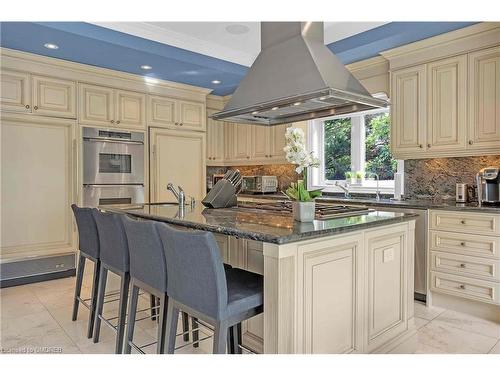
<point x="484" y="100"/>
<point x="104" y="106"/>
<point x="215" y="140"/>
<point x="179" y="114"/>
<point x="240" y="142"/>
<point x="40" y="95"/>
<point x="38" y="185"/>
<point x="260" y="142"/>
<point x="15" y="91"/>
<point x="178" y="157"/>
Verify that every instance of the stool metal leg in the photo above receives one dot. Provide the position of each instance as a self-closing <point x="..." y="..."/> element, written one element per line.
<point x="185" y="326"/>
<point x="93" y="303"/>
<point x="78" y="287"/>
<point x="153" y="304"/>
<point x="132" y="312"/>
<point x="162" y="322"/>
<point x="235" y="339"/>
<point x="100" y="303"/>
<point x="122" y="312"/>
<point x="196" y="333"/>
<point x="220" y="337"/>
<point x="171" y="328"/>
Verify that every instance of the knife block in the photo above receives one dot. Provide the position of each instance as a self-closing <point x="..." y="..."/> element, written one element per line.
<point x="222" y="195"/>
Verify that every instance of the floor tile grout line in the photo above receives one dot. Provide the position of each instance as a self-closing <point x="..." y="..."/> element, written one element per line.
<point x="491" y="349"/>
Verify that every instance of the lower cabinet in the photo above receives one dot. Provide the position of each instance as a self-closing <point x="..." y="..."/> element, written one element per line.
<point x="176" y="156"/>
<point x="38" y="185"/>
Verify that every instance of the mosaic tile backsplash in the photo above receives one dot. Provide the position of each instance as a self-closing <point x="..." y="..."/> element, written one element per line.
<point x="285" y="172"/>
<point x="436" y="178"/>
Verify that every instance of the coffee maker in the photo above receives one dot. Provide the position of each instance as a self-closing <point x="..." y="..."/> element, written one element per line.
<point x="488" y="186"/>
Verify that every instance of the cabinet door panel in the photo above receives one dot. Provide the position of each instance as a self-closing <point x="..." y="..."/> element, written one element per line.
<point x="96" y="105"/>
<point x="484" y="99"/>
<point x="130" y="109"/>
<point x="215" y="140"/>
<point x="177" y="157"/>
<point x="241" y="141"/>
<point x="278" y="142"/>
<point x="447" y="83"/>
<point x="162" y="111"/>
<point x="38" y="185"/>
<point x="408" y="108"/>
<point x="260" y="139"/>
<point x="192" y="115"/>
<point x="15" y="91"/>
<point x="54" y="97"/>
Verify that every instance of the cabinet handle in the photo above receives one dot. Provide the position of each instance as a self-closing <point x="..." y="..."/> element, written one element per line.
<point x="462" y="265"/>
<point x="421" y="146"/>
<point x="35" y="108"/>
<point x="461" y="286"/>
<point x="27" y="106"/>
<point x="118" y="122"/>
<point x="471" y="142"/>
<point x="112" y="121"/>
<point x="462" y="222"/>
<point x="462" y="243"/>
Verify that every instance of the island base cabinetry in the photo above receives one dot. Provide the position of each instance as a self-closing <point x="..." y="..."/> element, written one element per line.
<point x="349" y="293"/>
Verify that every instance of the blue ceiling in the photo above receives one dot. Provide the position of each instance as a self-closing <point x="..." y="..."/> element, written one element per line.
<point x="90" y="44"/>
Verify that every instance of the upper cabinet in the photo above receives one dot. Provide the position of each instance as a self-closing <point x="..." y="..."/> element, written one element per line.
<point x="40" y="95"/>
<point x="215" y="140"/>
<point x="179" y="114"/>
<point x="103" y="106"/>
<point x="448" y="107"/>
<point x="484" y="99"/>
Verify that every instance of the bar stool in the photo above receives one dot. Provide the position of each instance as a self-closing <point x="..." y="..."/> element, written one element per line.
<point x="88" y="239"/>
<point x="199" y="285"/>
<point x="115" y="258"/>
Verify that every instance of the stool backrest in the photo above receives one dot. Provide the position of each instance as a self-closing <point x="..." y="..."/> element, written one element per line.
<point x="147" y="257"/>
<point x="113" y="240"/>
<point x="195" y="271"/>
<point x="88" y="236"/>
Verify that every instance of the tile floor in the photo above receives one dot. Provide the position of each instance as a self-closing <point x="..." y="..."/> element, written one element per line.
<point x="37" y="318"/>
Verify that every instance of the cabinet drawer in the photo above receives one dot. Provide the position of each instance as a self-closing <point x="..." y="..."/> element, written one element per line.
<point x="465" y="222"/>
<point x="466" y="265"/>
<point x="467" y="244"/>
<point x="466" y="287"/>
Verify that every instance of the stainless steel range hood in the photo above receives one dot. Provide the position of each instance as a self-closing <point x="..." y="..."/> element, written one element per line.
<point x="295" y="78"/>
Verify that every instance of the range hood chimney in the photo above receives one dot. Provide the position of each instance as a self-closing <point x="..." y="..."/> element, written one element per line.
<point x="295" y="78"/>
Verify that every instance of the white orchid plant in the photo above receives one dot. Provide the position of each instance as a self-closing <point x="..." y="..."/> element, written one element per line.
<point x="296" y="153"/>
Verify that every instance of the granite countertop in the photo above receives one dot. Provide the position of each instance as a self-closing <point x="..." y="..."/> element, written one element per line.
<point x="422" y="204"/>
<point x="261" y="226"/>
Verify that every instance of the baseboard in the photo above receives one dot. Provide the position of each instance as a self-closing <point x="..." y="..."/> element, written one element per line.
<point x="37" y="278"/>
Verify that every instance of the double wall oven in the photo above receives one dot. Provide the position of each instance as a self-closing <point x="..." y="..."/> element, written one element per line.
<point x="113" y="167"/>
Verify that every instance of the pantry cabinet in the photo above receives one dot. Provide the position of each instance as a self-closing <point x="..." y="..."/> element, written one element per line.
<point x="179" y="114"/>
<point x="484" y="99"/>
<point x="177" y="156"/>
<point x="104" y="106"/>
<point x="40" y="95"/>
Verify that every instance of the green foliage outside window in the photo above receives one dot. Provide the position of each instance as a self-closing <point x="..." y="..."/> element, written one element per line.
<point x="337" y="148"/>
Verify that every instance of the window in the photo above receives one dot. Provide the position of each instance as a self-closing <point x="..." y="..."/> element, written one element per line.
<point x="359" y="144"/>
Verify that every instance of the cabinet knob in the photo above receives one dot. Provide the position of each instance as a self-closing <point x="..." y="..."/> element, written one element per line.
<point x="471" y="142"/>
<point x="461" y="286"/>
<point x="118" y="122"/>
<point x="428" y="145"/>
<point x="421" y="146"/>
<point x="462" y="243"/>
<point x="248" y="157"/>
<point x="176" y="123"/>
<point x="112" y="121"/>
<point x="462" y="265"/>
<point x="180" y="123"/>
<point x="27" y="106"/>
<point x="35" y="107"/>
<point x="462" y="222"/>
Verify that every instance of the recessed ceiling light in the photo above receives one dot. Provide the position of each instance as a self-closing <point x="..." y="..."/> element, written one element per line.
<point x="322" y="98"/>
<point x="146" y="67"/>
<point x="255" y="112"/>
<point x="297" y="103"/>
<point x="237" y="29"/>
<point x="51" y="46"/>
<point x="274" y="108"/>
<point x="216" y="82"/>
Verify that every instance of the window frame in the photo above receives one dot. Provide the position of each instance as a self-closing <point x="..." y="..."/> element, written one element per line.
<point x="316" y="143"/>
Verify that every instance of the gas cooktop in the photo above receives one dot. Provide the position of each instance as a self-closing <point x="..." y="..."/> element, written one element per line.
<point x="324" y="211"/>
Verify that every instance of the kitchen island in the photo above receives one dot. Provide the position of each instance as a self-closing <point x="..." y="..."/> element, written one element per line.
<point x="342" y="285"/>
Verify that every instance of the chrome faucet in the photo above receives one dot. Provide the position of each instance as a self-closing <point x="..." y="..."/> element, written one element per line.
<point x="179" y="195"/>
<point x="378" y="189"/>
<point x="344" y="188"/>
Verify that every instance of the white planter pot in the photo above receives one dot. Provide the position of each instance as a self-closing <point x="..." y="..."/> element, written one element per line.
<point x="303" y="211"/>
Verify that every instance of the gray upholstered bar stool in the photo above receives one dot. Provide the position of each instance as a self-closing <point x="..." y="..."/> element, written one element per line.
<point x="89" y="250"/>
<point x="115" y="258"/>
<point x="148" y="272"/>
<point x="199" y="285"/>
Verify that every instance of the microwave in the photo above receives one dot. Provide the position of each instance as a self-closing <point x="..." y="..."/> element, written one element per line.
<point x="259" y="184"/>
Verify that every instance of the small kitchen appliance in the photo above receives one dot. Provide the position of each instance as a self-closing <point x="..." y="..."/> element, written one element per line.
<point x="461" y="193"/>
<point x="488" y="186"/>
<point x="259" y="184"/>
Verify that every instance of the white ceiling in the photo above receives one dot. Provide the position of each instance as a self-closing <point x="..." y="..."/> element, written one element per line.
<point x="212" y="38"/>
